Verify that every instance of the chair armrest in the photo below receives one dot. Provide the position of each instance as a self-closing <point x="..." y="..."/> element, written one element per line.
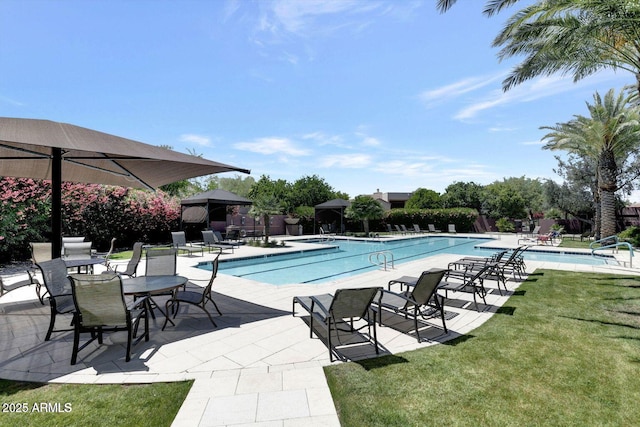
<point x="137" y="303"/>
<point x="315" y="302"/>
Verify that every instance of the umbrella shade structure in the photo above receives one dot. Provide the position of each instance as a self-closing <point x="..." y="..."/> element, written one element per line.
<point x="44" y="149"/>
<point x="332" y="209"/>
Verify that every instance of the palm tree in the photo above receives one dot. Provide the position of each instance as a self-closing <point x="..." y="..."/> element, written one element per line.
<point x="577" y="37"/>
<point x="265" y="205"/>
<point x="364" y="208"/>
<point x="491" y="8"/>
<point x="609" y="136"/>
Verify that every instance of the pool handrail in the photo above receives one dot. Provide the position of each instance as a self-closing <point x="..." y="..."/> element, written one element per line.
<point x="617" y="243"/>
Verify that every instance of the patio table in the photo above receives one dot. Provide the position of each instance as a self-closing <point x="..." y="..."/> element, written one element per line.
<point x="153" y="285"/>
<point x="83" y="262"/>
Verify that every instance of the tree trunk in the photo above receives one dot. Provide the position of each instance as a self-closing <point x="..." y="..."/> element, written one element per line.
<point x="365" y="223"/>
<point x="607" y="171"/>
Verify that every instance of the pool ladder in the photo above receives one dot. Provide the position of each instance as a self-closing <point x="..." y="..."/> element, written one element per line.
<point x="382" y="259"/>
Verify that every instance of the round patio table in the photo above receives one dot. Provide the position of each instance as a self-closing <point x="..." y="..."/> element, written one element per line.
<point x="153" y="285"/>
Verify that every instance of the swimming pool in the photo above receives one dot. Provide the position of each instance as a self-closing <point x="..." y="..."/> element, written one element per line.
<point x="344" y="258"/>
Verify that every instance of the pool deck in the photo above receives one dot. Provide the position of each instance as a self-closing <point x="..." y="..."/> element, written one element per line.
<point x="258" y="367"/>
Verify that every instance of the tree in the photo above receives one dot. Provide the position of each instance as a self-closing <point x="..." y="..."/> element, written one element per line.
<point x="463" y="195"/>
<point x="237" y="185"/>
<point x="502" y="200"/>
<point x="578" y="37"/>
<point x="610" y="136"/>
<point x="423" y="198"/>
<point x="279" y="189"/>
<point x="492" y="7"/>
<point x="364" y="208"/>
<point x="265" y="205"/>
<point x="309" y="191"/>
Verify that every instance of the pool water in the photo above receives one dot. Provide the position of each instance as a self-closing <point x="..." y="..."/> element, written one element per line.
<point x="344" y="258"/>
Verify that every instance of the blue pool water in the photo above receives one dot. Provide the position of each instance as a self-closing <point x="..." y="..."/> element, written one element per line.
<point x="344" y="258"/>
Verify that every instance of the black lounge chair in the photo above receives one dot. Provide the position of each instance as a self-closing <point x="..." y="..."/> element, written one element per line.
<point x="418" y="301"/>
<point x="100" y="306"/>
<point x="432" y="228"/>
<point x="209" y="241"/>
<point x="336" y="313"/>
<point x="180" y="242"/>
<point x="470" y="282"/>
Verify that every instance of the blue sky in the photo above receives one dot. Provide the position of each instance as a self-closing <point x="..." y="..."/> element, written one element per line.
<point x="368" y="95"/>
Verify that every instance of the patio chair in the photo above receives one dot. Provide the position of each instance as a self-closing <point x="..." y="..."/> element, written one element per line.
<point x="54" y="275"/>
<point x="416" y="228"/>
<point x="108" y="254"/>
<point x="161" y="261"/>
<point x="209" y="240"/>
<point x="40" y="251"/>
<point x="132" y="265"/>
<point x="180" y="242"/>
<point x="100" y="306"/>
<point x="398" y="229"/>
<point x="196" y="298"/>
<point x="389" y="229"/>
<point x="418" y="301"/>
<point x="336" y="313"/>
<point x="432" y="228"/>
<point x="31" y="280"/>
<point x="469" y="282"/>
<point x="77" y="250"/>
<point x="451" y="228"/>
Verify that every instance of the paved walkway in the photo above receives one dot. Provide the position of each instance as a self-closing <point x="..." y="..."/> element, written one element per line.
<point x="258" y="367"/>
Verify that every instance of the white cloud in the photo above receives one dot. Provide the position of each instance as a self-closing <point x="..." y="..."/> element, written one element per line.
<point x="457" y="89"/>
<point x="539" y="142"/>
<point x="539" y="88"/>
<point x="195" y="139"/>
<point x="349" y="161"/>
<point x="273" y="145"/>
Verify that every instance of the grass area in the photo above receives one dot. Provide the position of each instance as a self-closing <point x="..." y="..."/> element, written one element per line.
<point x="572" y="244"/>
<point x="31" y="404"/>
<point x="563" y="351"/>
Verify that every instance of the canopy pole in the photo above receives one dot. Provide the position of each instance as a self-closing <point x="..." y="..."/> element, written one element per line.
<point x="56" y="203"/>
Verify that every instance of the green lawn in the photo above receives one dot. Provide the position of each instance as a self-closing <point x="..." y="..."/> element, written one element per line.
<point x="563" y="351"/>
<point x="30" y="404"/>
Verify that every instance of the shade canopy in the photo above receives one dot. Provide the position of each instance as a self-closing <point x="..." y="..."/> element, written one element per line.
<point x="335" y="209"/>
<point x="43" y="149"/>
<point x="217" y="196"/>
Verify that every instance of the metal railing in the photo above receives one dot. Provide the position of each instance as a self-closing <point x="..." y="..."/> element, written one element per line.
<point x="617" y="243"/>
<point x="382" y="259"/>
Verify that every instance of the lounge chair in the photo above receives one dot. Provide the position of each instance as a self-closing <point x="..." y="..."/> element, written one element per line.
<point x="416" y="228"/>
<point x="100" y="306"/>
<point x="472" y="283"/>
<point x="398" y="229"/>
<point x="180" y="242"/>
<point x="451" y="228"/>
<point x="432" y="228"/>
<point x="405" y="230"/>
<point x="220" y="241"/>
<point x="419" y="300"/>
<point x="390" y="229"/>
<point x="197" y="298"/>
<point x="336" y="313"/>
<point x="54" y="275"/>
<point x="209" y="241"/>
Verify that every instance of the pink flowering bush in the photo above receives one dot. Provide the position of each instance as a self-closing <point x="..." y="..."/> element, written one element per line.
<point x="95" y="211"/>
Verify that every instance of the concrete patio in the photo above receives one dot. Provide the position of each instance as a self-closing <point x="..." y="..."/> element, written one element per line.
<point x="258" y="367"/>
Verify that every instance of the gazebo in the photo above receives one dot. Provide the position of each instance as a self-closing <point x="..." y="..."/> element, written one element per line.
<point x="211" y="206"/>
<point x="332" y="212"/>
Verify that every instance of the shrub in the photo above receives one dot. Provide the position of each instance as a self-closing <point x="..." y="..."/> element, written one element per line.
<point x="505" y="225"/>
<point x="631" y="235"/>
<point x="462" y="218"/>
